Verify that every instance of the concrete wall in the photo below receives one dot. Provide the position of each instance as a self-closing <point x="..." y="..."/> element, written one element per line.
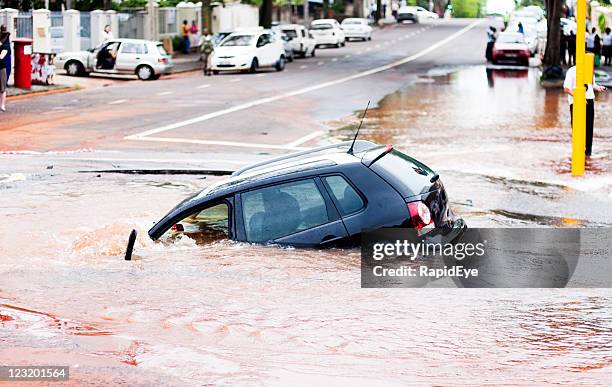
<point x="232" y="16"/>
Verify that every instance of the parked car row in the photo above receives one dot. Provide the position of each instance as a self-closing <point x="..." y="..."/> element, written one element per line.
<point x="254" y="48"/>
<point x="242" y="50"/>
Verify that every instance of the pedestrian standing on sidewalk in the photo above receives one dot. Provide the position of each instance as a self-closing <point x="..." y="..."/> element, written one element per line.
<point x="185" y="34"/>
<point x="206" y="49"/>
<point x="571" y="48"/>
<point x="490" y="42"/>
<point x="607" y="47"/>
<point x="193" y="34"/>
<point x="5" y="51"/>
<point x="590" y="41"/>
<point x="563" y="48"/>
<point x="568" y="87"/>
<point x="9" y="62"/>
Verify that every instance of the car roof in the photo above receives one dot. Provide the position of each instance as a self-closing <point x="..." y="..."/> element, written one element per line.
<point x="323" y="21"/>
<point x="130" y="40"/>
<point x="287" y="26"/>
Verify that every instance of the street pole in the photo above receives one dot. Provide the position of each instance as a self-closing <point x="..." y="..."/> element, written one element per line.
<point x="579" y="113"/>
<point x="306" y="13"/>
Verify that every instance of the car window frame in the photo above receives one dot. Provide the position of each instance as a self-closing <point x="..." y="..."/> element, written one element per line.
<point x="334" y="199"/>
<point x="227" y="200"/>
<point x="333" y="214"/>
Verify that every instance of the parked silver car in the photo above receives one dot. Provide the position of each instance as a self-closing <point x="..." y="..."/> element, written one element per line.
<point x="145" y="58"/>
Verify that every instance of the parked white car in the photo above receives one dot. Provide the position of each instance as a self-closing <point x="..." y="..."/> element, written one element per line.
<point x="301" y="41"/>
<point x="145" y="58"/>
<point x="356" y="28"/>
<point x="57" y="39"/>
<point x="415" y="14"/>
<point x="249" y="50"/>
<point x="327" y="32"/>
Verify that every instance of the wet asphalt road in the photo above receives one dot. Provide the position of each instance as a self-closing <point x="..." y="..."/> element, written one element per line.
<point x="101" y="118"/>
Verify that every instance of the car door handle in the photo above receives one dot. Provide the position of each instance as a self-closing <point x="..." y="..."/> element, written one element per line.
<point x="137" y="57"/>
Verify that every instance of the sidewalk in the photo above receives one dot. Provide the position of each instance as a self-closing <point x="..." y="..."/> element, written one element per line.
<point x="184" y="63"/>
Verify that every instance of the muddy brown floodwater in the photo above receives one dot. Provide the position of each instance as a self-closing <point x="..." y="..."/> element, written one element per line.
<point x="232" y="313"/>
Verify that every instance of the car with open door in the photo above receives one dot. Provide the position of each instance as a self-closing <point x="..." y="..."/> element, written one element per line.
<point x="321" y="197"/>
<point x="147" y="59"/>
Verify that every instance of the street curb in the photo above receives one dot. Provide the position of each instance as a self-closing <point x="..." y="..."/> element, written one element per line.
<point x="41" y="93"/>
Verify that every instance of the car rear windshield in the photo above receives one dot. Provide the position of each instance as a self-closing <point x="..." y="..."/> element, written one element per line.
<point x="321" y="27"/>
<point x="238" y="40"/>
<point x="511" y="38"/>
<point x="161" y="49"/>
<point x="290" y="33"/>
<point x="407" y="175"/>
<point x="352" y="22"/>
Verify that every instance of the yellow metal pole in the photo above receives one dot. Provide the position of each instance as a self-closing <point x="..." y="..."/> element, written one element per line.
<point x="579" y="117"/>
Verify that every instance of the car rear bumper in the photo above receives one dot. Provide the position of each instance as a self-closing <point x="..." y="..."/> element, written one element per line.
<point x="356" y="34"/>
<point x="327" y="40"/>
<point x="406" y="16"/>
<point x="163" y="69"/>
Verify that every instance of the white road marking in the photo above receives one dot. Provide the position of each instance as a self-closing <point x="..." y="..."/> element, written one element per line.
<point x="320" y="63"/>
<point x="260" y="75"/>
<point x="369" y="49"/>
<point x="347" y="56"/>
<point x="305" y="139"/>
<point x="203" y="86"/>
<point x="221" y="143"/>
<point x="303" y="66"/>
<point x="235" y="80"/>
<point x="145" y="160"/>
<point x="334" y="59"/>
<point x="164" y="93"/>
<point x="247" y="105"/>
<point x="117" y="102"/>
<point x="377" y="46"/>
<point x="359" y="52"/>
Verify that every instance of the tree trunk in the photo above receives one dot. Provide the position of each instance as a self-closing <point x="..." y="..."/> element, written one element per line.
<point x="358" y="8"/>
<point x="206" y="16"/>
<point x="265" y="14"/>
<point x="379" y="10"/>
<point x="552" y="55"/>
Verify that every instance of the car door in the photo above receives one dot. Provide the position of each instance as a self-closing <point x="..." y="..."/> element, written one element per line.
<point x="261" y="50"/>
<point x="298" y="213"/>
<point x="129" y="56"/>
<point x="203" y="222"/>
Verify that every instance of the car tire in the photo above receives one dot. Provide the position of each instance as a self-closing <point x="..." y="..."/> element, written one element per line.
<point x="369" y="37"/>
<point x="74" y="68"/>
<point x="290" y="58"/>
<point x="337" y="45"/>
<point x="254" y="65"/>
<point x="215" y="72"/>
<point x="145" y="72"/>
<point x="156" y="77"/>
<point x="280" y="64"/>
<point x="312" y="54"/>
<point x="343" y="44"/>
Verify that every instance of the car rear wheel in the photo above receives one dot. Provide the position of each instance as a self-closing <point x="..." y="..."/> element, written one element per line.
<point x="145" y="73"/>
<point x="280" y="65"/>
<point x="312" y="54"/>
<point x="254" y="65"/>
<point x="216" y="72"/>
<point x="74" y="68"/>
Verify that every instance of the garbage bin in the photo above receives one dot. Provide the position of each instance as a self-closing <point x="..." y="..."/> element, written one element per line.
<point x="23" y="63"/>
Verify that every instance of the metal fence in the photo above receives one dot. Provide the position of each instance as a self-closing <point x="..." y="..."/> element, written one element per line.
<point x="166" y="21"/>
<point x="24" y="25"/>
<point x="132" y="24"/>
<point x="85" y="30"/>
<point x="57" y="19"/>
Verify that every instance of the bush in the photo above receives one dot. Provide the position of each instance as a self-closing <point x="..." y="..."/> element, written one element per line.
<point x="177" y="43"/>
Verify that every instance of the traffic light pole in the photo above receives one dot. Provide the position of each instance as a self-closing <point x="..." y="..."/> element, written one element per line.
<point x="579" y="109"/>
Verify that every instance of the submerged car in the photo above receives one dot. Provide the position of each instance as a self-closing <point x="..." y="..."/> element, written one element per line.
<point x="147" y="59"/>
<point x="316" y="198"/>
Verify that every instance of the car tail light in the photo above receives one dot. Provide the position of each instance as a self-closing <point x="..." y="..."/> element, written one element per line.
<point x="419" y="215"/>
<point x="177" y="227"/>
<point x="162" y="60"/>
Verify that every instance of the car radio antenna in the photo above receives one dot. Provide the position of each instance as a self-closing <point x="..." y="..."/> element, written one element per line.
<point x="350" y="151"/>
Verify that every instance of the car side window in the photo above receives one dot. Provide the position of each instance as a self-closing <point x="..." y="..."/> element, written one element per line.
<point x="261" y="41"/>
<point x="303" y="33"/>
<point x="347" y="198"/>
<point x="134" y="48"/>
<point x="205" y="226"/>
<point x="273" y="212"/>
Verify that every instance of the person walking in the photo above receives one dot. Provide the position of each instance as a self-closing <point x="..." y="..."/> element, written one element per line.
<point x="5" y="51"/>
<point x="607" y="47"/>
<point x="107" y="33"/>
<point x="185" y="34"/>
<point x="206" y="49"/>
<point x="193" y="33"/>
<point x="568" y="87"/>
<point x="490" y="42"/>
<point x="571" y="48"/>
<point x="9" y="62"/>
